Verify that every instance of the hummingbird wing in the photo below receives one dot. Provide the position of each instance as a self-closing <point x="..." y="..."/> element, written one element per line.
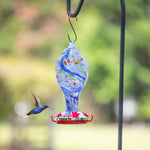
<point x="36" y="100"/>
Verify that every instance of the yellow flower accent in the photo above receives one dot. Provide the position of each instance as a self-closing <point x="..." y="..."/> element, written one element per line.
<point x="84" y="70"/>
<point x="77" y="62"/>
<point x="73" y="93"/>
<point x="71" y="106"/>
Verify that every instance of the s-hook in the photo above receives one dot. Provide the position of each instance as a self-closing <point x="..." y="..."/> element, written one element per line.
<point x="73" y="31"/>
<point x="73" y="15"/>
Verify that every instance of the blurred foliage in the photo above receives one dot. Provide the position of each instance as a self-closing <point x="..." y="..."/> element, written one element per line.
<point x="33" y="35"/>
<point x="36" y="137"/>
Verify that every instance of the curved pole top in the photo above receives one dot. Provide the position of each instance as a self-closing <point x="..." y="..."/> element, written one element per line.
<point x="73" y="15"/>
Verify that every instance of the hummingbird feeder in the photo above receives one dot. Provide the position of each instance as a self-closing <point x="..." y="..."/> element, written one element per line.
<point x="72" y="74"/>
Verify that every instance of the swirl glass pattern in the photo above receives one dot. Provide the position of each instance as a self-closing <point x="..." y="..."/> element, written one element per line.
<point x="72" y="74"/>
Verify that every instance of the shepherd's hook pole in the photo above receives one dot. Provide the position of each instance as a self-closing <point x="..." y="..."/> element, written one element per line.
<point x="120" y="122"/>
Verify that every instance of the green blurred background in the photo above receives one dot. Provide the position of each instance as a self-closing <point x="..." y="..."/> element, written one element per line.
<point x="33" y="34"/>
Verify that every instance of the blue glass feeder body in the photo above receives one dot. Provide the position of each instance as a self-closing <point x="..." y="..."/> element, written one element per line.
<point x="72" y="74"/>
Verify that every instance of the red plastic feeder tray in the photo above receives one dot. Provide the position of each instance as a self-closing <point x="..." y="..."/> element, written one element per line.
<point x="71" y="119"/>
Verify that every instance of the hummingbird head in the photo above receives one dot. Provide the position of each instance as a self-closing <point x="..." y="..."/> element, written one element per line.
<point x="46" y="106"/>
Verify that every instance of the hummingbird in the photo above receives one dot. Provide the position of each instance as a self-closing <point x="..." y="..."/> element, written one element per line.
<point x="38" y="108"/>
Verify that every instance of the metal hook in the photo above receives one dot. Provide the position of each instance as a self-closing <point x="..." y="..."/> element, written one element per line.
<point x="73" y="15"/>
<point x="73" y="31"/>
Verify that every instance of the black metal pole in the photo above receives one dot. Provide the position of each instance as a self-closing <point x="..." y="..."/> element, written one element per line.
<point x="120" y="121"/>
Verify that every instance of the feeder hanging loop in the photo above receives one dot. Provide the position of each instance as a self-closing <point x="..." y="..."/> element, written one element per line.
<point x="73" y="31"/>
<point x="73" y="15"/>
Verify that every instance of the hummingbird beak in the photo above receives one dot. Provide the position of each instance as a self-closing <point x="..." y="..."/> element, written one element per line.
<point x="50" y="107"/>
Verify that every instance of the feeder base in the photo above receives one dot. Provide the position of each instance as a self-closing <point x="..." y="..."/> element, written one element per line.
<point x="71" y="119"/>
<point x="72" y="122"/>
